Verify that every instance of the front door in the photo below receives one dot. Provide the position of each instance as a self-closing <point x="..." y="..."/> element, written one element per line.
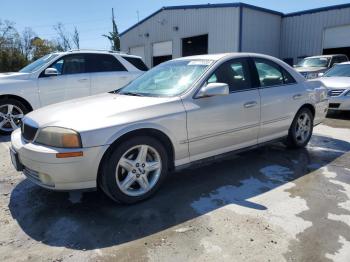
<point x="221" y="124"/>
<point x="72" y="81"/>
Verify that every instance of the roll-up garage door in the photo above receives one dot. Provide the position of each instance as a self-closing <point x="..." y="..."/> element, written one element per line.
<point x="162" y="51"/>
<point x="335" y="37"/>
<point x="139" y="51"/>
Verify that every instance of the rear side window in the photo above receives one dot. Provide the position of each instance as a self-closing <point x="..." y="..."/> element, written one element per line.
<point x="235" y="73"/>
<point x="104" y="63"/>
<point x="136" y="62"/>
<point x="272" y="74"/>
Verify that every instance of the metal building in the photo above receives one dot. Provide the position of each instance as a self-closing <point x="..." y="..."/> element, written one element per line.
<point x="177" y="31"/>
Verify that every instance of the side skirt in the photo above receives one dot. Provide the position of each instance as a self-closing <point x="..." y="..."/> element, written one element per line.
<point x="228" y="155"/>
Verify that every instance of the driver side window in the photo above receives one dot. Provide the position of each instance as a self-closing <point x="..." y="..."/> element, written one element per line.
<point x="235" y="73"/>
<point x="70" y="64"/>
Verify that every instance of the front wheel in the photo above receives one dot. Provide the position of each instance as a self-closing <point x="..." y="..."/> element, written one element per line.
<point x="300" y="131"/>
<point x="134" y="170"/>
<point x="11" y="114"/>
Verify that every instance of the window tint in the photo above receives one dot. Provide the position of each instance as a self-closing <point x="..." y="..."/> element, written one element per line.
<point x="104" y="63"/>
<point x="136" y="62"/>
<point x="70" y="64"/>
<point x="235" y="73"/>
<point x="269" y="73"/>
<point x="287" y="78"/>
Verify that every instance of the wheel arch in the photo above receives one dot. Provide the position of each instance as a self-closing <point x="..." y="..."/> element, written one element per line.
<point x="20" y="99"/>
<point x="151" y="132"/>
<point x="310" y="107"/>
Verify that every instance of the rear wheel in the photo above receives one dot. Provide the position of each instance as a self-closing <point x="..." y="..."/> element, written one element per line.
<point x="11" y="114"/>
<point x="134" y="170"/>
<point x="300" y="131"/>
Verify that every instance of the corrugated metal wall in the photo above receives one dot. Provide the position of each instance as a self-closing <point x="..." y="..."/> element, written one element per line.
<point x="221" y="24"/>
<point x="261" y="32"/>
<point x="302" y="35"/>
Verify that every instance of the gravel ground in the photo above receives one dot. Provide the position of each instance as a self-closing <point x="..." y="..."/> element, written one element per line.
<point x="270" y="204"/>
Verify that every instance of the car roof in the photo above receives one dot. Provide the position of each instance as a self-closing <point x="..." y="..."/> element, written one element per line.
<point x="216" y="57"/>
<point x="319" y="56"/>
<point x="92" y="51"/>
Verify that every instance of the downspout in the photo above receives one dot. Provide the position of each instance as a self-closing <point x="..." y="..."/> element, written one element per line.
<point x="240" y="28"/>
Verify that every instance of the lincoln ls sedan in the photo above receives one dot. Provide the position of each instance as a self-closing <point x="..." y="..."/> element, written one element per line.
<point x="185" y="111"/>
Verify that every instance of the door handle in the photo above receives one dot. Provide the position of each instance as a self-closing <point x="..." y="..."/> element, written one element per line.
<point x="250" y="104"/>
<point x="297" y="96"/>
<point x="83" y="80"/>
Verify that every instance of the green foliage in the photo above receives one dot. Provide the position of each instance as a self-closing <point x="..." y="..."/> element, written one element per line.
<point x="113" y="36"/>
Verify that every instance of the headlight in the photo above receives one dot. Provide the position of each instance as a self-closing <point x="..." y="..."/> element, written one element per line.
<point x="311" y="75"/>
<point x="59" y="137"/>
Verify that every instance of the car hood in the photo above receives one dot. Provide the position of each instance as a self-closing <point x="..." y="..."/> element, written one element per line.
<point x="310" y="69"/>
<point x="14" y="75"/>
<point x="336" y="82"/>
<point x="100" y="111"/>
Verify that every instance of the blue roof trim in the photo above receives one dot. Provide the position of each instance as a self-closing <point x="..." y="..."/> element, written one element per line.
<point x="316" y="10"/>
<point x="311" y="11"/>
<point x="183" y="7"/>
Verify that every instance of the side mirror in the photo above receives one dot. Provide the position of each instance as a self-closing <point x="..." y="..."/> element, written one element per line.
<point x="320" y="74"/>
<point x="51" y="72"/>
<point x="213" y="89"/>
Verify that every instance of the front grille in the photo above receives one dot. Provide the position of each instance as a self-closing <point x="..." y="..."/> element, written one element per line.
<point x="334" y="105"/>
<point x="28" y="132"/>
<point x="335" y="92"/>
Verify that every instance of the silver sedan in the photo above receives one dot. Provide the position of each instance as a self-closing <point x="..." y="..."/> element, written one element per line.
<point x="181" y="112"/>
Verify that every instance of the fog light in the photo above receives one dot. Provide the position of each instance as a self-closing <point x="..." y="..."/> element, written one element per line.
<point x="46" y="179"/>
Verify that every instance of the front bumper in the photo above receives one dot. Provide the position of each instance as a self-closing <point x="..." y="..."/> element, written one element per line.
<point x="41" y="166"/>
<point x="341" y="103"/>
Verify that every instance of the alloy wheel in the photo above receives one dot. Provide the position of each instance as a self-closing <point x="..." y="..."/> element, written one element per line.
<point x="303" y="128"/>
<point x="10" y="117"/>
<point x="138" y="170"/>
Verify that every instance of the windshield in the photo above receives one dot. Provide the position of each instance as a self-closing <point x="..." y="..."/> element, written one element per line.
<point x="338" y="70"/>
<point x="38" y="63"/>
<point x="168" y="79"/>
<point x="314" y="62"/>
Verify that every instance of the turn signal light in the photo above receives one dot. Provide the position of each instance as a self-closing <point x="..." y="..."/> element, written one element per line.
<point x="69" y="154"/>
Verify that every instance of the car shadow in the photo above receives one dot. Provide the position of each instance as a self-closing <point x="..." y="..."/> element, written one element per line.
<point x="5" y="138"/>
<point x="94" y="221"/>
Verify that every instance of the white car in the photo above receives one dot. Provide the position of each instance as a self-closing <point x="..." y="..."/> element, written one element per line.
<point x="183" y="111"/>
<point x="62" y="76"/>
<point x="337" y="81"/>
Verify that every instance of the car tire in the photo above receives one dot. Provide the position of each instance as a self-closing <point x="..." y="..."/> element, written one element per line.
<point x="126" y="163"/>
<point x="300" y="131"/>
<point x="11" y="110"/>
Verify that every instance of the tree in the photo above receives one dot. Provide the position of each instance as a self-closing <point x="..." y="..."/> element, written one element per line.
<point x="75" y="38"/>
<point x="113" y="36"/>
<point x="27" y="37"/>
<point x="63" y="40"/>
<point x="42" y="47"/>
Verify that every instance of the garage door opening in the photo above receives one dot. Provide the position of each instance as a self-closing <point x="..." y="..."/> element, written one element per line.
<point x="340" y="50"/>
<point x="162" y="51"/>
<point x="196" y="45"/>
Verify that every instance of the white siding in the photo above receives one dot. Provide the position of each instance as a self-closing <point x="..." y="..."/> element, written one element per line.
<point x="302" y="35"/>
<point x="221" y="24"/>
<point x="261" y="32"/>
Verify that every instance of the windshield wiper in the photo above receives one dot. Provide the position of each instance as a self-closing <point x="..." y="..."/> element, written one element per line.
<point x="129" y="94"/>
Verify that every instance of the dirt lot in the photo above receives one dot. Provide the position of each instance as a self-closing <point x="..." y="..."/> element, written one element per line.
<point x="270" y="204"/>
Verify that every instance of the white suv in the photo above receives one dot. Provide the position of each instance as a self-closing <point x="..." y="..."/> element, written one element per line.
<point x="62" y="76"/>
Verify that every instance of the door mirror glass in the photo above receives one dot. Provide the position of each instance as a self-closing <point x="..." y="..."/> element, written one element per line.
<point x="213" y="89"/>
<point x="51" y="71"/>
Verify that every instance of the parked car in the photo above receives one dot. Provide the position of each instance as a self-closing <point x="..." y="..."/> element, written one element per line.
<point x="337" y="81"/>
<point x="61" y="76"/>
<point x="179" y="113"/>
<point x="311" y="67"/>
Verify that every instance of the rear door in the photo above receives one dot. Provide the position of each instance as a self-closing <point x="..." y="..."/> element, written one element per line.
<point x="221" y="124"/>
<point x="107" y="73"/>
<point x="72" y="81"/>
<point x="281" y="98"/>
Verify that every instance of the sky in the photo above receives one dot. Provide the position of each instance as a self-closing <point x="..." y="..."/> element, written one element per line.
<point x="93" y="17"/>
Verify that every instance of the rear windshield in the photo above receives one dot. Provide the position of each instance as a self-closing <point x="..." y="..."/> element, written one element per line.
<point x="136" y="62"/>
